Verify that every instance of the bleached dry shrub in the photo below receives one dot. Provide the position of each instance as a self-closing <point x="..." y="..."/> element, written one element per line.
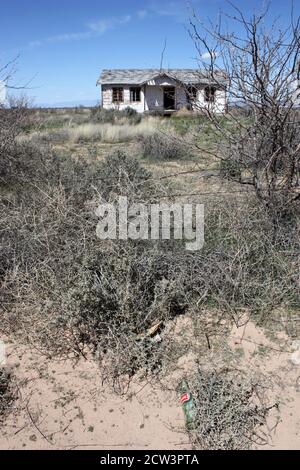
<point x="44" y="237"/>
<point x="12" y="121"/>
<point x="63" y="290"/>
<point x="162" y="146"/>
<point x="114" y="116"/>
<point x="48" y="237"/>
<point x="7" y="393"/>
<point x="121" y="292"/>
<point x="26" y="158"/>
<point x="45" y="228"/>
<point x="230" y="411"/>
<point x="123" y="176"/>
<point x="249" y="265"/>
<point x="27" y="162"/>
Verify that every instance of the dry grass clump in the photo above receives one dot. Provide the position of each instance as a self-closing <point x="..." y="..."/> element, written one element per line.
<point x="112" y="133"/>
<point x="230" y="411"/>
<point x="103" y="132"/>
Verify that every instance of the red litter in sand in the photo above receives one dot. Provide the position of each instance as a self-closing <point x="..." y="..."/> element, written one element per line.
<point x="185" y="397"/>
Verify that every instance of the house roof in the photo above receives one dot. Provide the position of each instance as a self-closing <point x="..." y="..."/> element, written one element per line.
<point x="140" y="76"/>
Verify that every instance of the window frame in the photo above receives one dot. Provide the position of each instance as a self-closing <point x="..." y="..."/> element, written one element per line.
<point x="210" y="94"/>
<point x="192" y="93"/>
<point x="118" y="90"/>
<point x="132" y="91"/>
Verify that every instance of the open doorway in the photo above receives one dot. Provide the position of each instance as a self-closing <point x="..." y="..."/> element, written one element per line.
<point x="169" y="98"/>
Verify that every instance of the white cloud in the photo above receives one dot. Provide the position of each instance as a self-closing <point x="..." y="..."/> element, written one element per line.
<point x="208" y="55"/>
<point x="68" y="37"/>
<point x="176" y="9"/>
<point x="142" y="14"/>
<point x="35" y="43"/>
<point x="95" y="28"/>
<point x="101" y="26"/>
<point x="60" y="38"/>
<point x="124" y="19"/>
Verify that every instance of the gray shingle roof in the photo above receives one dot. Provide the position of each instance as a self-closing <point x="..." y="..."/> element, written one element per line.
<point x="139" y="76"/>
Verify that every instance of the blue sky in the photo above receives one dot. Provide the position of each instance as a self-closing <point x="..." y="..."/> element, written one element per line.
<point x="64" y="44"/>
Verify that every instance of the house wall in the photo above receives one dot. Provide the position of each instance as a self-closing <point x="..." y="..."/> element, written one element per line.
<point x="152" y="97"/>
<point x="219" y="106"/>
<point x="181" y="98"/>
<point x="108" y="103"/>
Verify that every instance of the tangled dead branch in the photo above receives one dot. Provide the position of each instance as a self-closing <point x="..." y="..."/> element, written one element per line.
<point x="231" y="411"/>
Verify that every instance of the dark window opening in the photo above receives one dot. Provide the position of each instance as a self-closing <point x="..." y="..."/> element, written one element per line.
<point x="210" y="94"/>
<point x="135" y="94"/>
<point x="191" y="93"/>
<point x="117" y="95"/>
<point x="169" y="97"/>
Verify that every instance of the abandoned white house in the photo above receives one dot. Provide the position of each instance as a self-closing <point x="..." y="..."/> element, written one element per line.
<point x="162" y="90"/>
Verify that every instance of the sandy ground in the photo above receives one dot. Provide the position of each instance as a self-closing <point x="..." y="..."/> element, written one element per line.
<point x="65" y="405"/>
<point x="272" y="359"/>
